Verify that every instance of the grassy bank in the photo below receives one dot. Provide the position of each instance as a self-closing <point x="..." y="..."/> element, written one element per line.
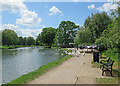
<point x="32" y="75"/>
<point x="113" y="54"/>
<point x="66" y="50"/>
<point x="15" y="46"/>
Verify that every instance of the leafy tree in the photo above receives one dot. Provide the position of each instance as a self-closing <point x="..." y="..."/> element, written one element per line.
<point x="110" y="37"/>
<point x="86" y="23"/>
<point x="9" y="37"/>
<point x="97" y="24"/>
<point x="84" y="36"/>
<point x="30" y="41"/>
<point x="21" y="40"/>
<point x="76" y="42"/>
<point x="66" y="32"/>
<point x="48" y="35"/>
<point x="39" y="40"/>
<point x="0" y="38"/>
<point x="24" y="41"/>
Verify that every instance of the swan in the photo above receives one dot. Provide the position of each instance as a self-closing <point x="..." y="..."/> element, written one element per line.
<point x="43" y="53"/>
<point x="83" y="53"/>
<point x="62" y="54"/>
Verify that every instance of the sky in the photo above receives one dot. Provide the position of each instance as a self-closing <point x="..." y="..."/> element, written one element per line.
<point x="29" y="18"/>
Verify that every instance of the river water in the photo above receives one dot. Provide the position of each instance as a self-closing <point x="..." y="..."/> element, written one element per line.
<point x="19" y="61"/>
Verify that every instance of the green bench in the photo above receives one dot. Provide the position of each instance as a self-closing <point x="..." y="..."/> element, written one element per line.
<point x="106" y="65"/>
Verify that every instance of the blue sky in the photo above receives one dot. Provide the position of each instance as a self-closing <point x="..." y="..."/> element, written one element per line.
<point x="29" y="18"/>
<point x="76" y="12"/>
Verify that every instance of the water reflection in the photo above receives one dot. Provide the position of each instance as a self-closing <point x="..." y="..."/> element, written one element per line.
<point x="16" y="62"/>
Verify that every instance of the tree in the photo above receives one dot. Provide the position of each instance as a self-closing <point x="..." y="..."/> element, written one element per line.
<point x="39" y="40"/>
<point x="9" y="37"/>
<point x="86" y="23"/>
<point x="30" y="41"/>
<point x="66" y="32"/>
<point x="0" y="38"/>
<point x="48" y="35"/>
<point x="97" y="24"/>
<point x="21" y="40"/>
<point x="110" y="37"/>
<point x="84" y="36"/>
<point x="24" y="41"/>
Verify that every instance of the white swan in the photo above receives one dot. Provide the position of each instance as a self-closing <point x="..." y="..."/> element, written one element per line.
<point x="77" y="53"/>
<point x="43" y="53"/>
<point x="83" y="53"/>
<point x="62" y="54"/>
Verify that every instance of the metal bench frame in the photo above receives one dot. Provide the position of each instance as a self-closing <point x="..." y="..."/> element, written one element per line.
<point x="102" y="62"/>
<point x="107" y="66"/>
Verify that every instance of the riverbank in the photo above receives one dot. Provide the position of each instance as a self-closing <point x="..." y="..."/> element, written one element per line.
<point x="43" y="69"/>
<point x="15" y="46"/>
<point x="76" y="70"/>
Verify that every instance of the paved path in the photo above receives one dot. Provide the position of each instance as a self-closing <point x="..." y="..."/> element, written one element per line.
<point x="76" y="70"/>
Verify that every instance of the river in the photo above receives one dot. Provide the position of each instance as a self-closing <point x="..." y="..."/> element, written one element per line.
<point x="19" y="61"/>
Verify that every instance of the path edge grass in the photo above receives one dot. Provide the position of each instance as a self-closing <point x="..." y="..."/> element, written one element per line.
<point x="34" y="74"/>
<point x="113" y="53"/>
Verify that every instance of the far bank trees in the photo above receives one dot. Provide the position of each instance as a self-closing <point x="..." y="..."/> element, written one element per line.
<point x="47" y="36"/>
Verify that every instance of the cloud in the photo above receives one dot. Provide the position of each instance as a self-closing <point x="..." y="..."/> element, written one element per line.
<point x="28" y="18"/>
<point x="12" y="5"/>
<point x="22" y="32"/>
<point x="91" y="6"/>
<point x="113" y="0"/>
<point x="107" y="7"/>
<point x="75" y="0"/>
<point x="54" y="11"/>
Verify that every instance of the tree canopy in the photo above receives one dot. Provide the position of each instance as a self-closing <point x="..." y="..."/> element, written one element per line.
<point x="66" y="32"/>
<point x="93" y="28"/>
<point x="110" y="37"/>
<point x="9" y="37"/>
<point x="48" y="35"/>
<point x="30" y="41"/>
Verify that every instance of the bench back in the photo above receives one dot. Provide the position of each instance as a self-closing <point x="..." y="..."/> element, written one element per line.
<point x="110" y="62"/>
<point x="108" y="59"/>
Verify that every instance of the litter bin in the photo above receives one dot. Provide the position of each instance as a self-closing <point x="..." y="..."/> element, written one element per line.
<point x="95" y="56"/>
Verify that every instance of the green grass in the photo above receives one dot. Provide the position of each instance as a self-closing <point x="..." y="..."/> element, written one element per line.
<point x="107" y="80"/>
<point x="113" y="54"/>
<point x="15" y="46"/>
<point x="66" y="50"/>
<point x="56" y="47"/>
<point x="43" y="69"/>
<point x="4" y="47"/>
<point x="95" y="65"/>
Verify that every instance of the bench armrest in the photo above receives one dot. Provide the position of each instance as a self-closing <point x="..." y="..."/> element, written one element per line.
<point x="103" y="61"/>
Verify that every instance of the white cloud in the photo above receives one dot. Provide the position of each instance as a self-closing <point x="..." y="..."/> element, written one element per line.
<point x="75" y="0"/>
<point x="91" y="6"/>
<point x="22" y="32"/>
<point x="42" y="26"/>
<point x="28" y="18"/>
<point x="54" y="11"/>
<point x="107" y="7"/>
<point x="113" y="0"/>
<point x="12" y="5"/>
<point x="89" y="0"/>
